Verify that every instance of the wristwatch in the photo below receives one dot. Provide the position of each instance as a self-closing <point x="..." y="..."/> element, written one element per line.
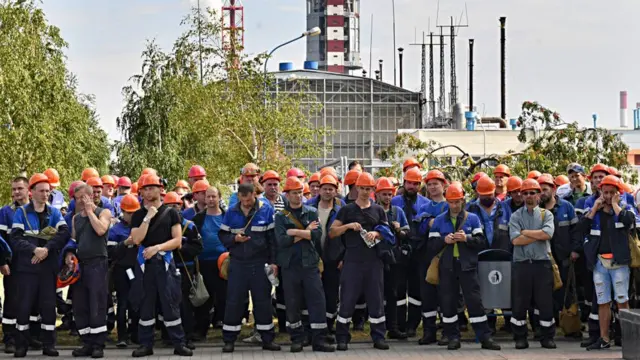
<point x="146" y="220"/>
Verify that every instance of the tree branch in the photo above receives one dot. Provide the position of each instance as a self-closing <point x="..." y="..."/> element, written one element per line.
<point x="253" y="157"/>
<point x="464" y="154"/>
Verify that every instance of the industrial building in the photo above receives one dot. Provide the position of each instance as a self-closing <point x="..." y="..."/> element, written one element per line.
<point x="363" y="114"/>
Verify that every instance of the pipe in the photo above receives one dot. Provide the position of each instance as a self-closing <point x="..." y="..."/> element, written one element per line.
<point x="471" y="74"/>
<point x="377" y="75"/>
<point x="380" y="62"/>
<point x="400" y="50"/>
<point x="495" y="120"/>
<point x="503" y="71"/>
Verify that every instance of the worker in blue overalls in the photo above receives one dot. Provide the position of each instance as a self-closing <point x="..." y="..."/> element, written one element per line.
<point x="457" y="235"/>
<point x="409" y="270"/>
<point x="247" y="230"/>
<point x="328" y="204"/>
<point x="19" y="197"/>
<point x="124" y="261"/>
<point x="38" y="233"/>
<point x="435" y="182"/>
<point x="385" y="191"/>
<point x="363" y="223"/>
<point x="157" y="229"/>
<point x="298" y="234"/>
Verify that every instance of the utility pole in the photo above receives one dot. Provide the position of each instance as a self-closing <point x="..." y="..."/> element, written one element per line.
<point x="430" y="115"/>
<point x="453" y="99"/>
<point x="442" y="99"/>
<point x="200" y="43"/>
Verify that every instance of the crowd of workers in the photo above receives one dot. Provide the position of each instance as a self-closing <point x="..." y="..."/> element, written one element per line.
<point x="136" y="257"/>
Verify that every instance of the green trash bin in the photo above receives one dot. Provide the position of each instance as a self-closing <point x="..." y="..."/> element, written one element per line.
<point x="494" y="275"/>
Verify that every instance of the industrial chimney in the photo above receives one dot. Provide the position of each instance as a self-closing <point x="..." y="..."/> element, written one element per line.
<point x="623" y="109"/>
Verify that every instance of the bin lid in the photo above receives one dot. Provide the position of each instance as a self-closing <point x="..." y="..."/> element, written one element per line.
<point x="494" y="255"/>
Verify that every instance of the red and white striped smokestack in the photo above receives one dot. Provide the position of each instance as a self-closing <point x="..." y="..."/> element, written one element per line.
<point x="623" y="109"/>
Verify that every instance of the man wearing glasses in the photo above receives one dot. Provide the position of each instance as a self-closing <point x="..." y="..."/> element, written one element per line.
<point x="531" y="228"/>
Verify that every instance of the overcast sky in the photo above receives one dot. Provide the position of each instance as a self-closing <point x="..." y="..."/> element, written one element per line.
<point x="574" y="56"/>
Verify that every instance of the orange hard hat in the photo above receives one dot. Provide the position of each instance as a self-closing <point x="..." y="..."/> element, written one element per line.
<point x="351" y="177"/>
<point x="149" y="171"/>
<point x="223" y="265"/>
<point x="409" y="163"/>
<point x="627" y="188"/>
<point x="250" y="169"/>
<point x="124" y="182"/>
<point x="108" y="180"/>
<point x="72" y="188"/>
<point x="514" y="183"/>
<point x="365" y="179"/>
<point x="134" y="188"/>
<point x="94" y="182"/>
<point x="297" y="173"/>
<point x="413" y="175"/>
<point x="197" y="171"/>
<point x="502" y="169"/>
<point x="89" y="173"/>
<point x="533" y="174"/>
<point x="530" y="184"/>
<point x="477" y="176"/>
<point x="455" y="191"/>
<point x="599" y="167"/>
<point x="68" y="275"/>
<point x="329" y="171"/>
<point x="293" y="183"/>
<point x="199" y="186"/>
<point x="315" y="177"/>
<point x="329" y="180"/>
<point x="141" y="180"/>
<point x="306" y="190"/>
<point x="130" y="203"/>
<point x="151" y="180"/>
<point x="546" y="179"/>
<point x="270" y="175"/>
<point x="37" y="179"/>
<point x="561" y="180"/>
<point x="172" y="197"/>
<point x="486" y="186"/>
<point x="384" y="184"/>
<point x="182" y="184"/>
<point x="611" y="180"/>
<point x="435" y="174"/>
<point x="614" y="171"/>
<point x="53" y="176"/>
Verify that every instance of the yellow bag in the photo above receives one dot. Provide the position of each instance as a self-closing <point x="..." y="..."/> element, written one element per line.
<point x="557" y="280"/>
<point x="433" y="276"/>
<point x="634" y="249"/>
<point x="224" y="268"/>
<point x="569" y="317"/>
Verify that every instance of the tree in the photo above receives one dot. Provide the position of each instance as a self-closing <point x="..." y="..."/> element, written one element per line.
<point x="175" y="116"/>
<point x="44" y="121"/>
<point x="551" y="145"/>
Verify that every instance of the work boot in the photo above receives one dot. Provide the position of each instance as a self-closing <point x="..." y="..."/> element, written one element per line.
<point x="9" y="348"/>
<point x="454" y="344"/>
<point x="271" y="346"/>
<point x="97" y="353"/>
<point x="589" y="341"/>
<point x="381" y="345"/>
<point x="444" y="341"/>
<point x="548" y="344"/>
<point x="228" y="347"/>
<point x="296" y="347"/>
<point x="330" y="339"/>
<point x="427" y="339"/>
<point x="50" y="351"/>
<point x="490" y="344"/>
<point x="522" y="344"/>
<point x="323" y="348"/>
<point x="342" y="346"/>
<point x="182" y="351"/>
<point x="396" y="334"/>
<point x="142" y="351"/>
<point x="189" y="345"/>
<point x="35" y="344"/>
<point x="20" y="352"/>
<point x="122" y="344"/>
<point x="84" y="351"/>
<point x="599" y="345"/>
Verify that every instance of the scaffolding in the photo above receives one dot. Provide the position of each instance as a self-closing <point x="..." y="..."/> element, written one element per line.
<point x="363" y="114"/>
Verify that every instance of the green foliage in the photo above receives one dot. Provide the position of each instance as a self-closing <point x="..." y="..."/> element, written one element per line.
<point x="44" y="121"/>
<point x="551" y="143"/>
<point x="176" y="116"/>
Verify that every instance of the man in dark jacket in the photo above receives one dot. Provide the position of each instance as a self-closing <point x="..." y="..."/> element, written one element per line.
<point x="298" y="235"/>
<point x="607" y="252"/>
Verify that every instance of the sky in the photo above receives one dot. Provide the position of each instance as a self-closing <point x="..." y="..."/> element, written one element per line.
<point x="573" y="56"/>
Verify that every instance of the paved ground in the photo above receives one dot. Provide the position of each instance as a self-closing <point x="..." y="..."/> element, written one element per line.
<point x="565" y="351"/>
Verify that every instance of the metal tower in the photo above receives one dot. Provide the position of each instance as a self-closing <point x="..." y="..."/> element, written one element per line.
<point x="441" y="107"/>
<point x="454" y="82"/>
<point x="233" y="29"/>
<point x="430" y="115"/>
